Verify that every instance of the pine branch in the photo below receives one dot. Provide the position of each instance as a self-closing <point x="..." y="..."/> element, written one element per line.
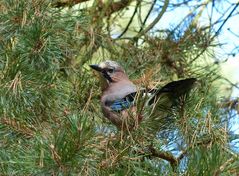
<point x="107" y="7"/>
<point x="230" y="161"/>
<point x="163" y="155"/>
<point x="116" y="6"/>
<point x="222" y="167"/>
<point x="18" y="127"/>
<point x="67" y="3"/>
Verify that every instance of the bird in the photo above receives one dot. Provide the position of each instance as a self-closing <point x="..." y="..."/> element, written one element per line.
<point x="123" y="102"/>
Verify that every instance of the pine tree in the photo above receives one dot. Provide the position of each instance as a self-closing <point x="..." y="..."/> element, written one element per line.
<point x="50" y="117"/>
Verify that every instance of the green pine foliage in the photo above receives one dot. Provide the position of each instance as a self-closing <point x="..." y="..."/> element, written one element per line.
<point x="50" y="117"/>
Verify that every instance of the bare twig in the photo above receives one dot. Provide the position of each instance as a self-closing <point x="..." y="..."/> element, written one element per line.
<point x="156" y="20"/>
<point x="217" y="32"/>
<point x="131" y="19"/>
<point x="224" y="22"/>
<point x="231" y="83"/>
<point x="147" y="16"/>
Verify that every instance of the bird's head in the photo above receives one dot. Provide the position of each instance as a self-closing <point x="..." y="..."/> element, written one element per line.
<point x="110" y="71"/>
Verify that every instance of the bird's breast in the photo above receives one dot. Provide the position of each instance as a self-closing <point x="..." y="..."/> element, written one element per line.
<point x="117" y="92"/>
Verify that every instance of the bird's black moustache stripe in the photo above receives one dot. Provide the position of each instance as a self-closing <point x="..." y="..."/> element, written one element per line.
<point x="105" y="74"/>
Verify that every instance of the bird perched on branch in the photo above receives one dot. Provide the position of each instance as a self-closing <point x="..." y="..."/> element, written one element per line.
<point x="123" y="102"/>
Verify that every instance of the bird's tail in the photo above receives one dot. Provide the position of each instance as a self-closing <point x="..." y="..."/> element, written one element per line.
<point x="173" y="90"/>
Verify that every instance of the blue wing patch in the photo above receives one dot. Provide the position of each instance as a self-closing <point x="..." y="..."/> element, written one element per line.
<point x="127" y="101"/>
<point x="121" y="104"/>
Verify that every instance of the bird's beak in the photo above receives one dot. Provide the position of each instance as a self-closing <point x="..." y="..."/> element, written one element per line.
<point x="96" y="67"/>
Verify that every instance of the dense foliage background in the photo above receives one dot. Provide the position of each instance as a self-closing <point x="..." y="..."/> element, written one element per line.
<point x="50" y="118"/>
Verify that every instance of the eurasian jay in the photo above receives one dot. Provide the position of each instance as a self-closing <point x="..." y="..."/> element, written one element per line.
<point x="120" y="99"/>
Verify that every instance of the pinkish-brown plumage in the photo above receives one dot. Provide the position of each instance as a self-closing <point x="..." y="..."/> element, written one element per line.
<point x="115" y="88"/>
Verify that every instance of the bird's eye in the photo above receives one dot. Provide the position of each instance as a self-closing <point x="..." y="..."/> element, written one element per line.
<point x="110" y="70"/>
